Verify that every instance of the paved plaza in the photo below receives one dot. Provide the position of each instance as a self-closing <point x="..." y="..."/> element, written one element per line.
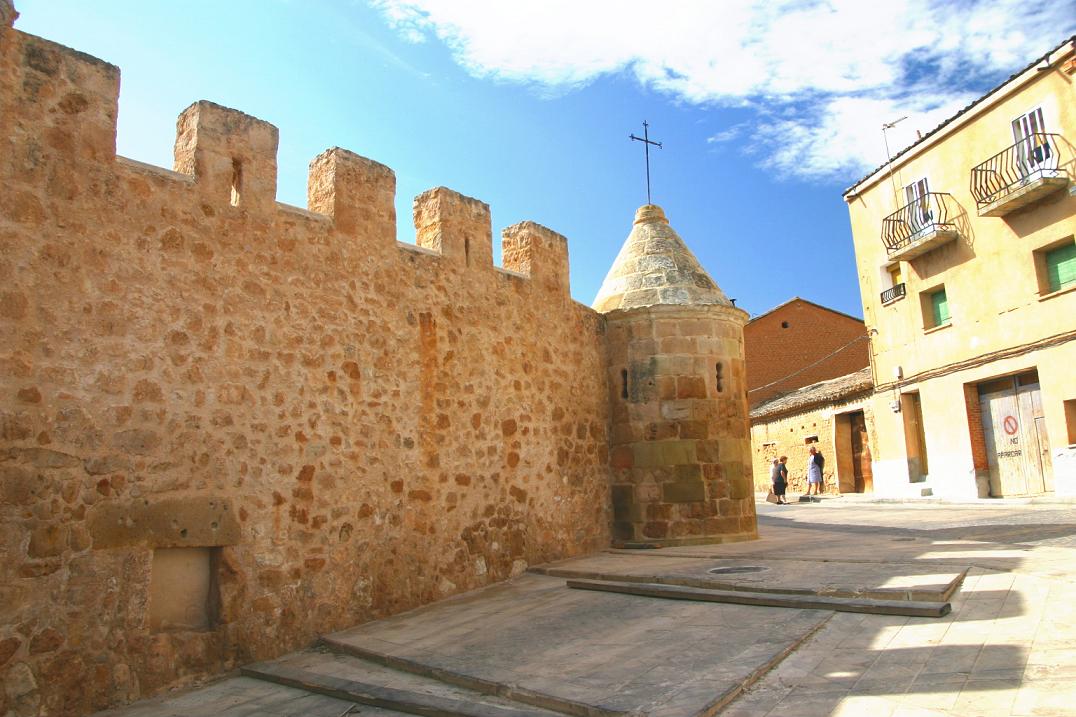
<point x="534" y="646"/>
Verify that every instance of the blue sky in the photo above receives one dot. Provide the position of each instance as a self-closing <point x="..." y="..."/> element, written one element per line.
<point x="766" y="110"/>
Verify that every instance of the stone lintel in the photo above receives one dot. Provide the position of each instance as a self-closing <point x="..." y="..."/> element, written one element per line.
<point x="181" y="521"/>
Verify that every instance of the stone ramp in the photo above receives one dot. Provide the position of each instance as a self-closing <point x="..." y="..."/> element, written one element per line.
<point x="836" y="579"/>
<point x="909" y="608"/>
<point x="586" y="653"/>
<point x="244" y="697"/>
<point x="371" y="684"/>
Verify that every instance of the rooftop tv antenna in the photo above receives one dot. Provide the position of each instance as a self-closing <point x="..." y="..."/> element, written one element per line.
<point x="886" y="126"/>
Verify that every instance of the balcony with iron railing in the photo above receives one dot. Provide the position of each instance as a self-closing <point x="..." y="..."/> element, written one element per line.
<point x="920" y="226"/>
<point x="1019" y="175"/>
<point x="892" y="294"/>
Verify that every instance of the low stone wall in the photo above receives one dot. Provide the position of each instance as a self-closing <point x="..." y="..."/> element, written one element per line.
<point x="787" y="435"/>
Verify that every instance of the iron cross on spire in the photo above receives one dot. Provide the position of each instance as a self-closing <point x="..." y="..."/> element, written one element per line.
<point x="645" y="139"/>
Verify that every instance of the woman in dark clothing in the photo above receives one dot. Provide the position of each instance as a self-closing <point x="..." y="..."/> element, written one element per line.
<point x="779" y="477"/>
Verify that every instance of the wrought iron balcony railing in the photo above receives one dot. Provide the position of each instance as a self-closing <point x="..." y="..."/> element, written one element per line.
<point x="1034" y="157"/>
<point x="891" y="295"/>
<point x="929" y="214"/>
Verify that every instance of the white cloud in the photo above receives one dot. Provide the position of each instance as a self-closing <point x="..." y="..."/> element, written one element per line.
<point x="822" y="75"/>
<point x="727" y="135"/>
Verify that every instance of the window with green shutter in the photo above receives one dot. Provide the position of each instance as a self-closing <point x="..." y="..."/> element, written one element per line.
<point x="1061" y="267"/>
<point x="939" y="306"/>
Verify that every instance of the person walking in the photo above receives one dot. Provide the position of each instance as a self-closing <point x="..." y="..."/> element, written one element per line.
<point x="779" y="478"/>
<point x="814" y="471"/>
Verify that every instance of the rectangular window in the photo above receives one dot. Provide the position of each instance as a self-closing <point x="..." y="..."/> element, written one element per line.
<point x="918" y="203"/>
<point x="895" y="279"/>
<point x="1028" y="125"/>
<point x="1027" y="131"/>
<point x="1055" y="266"/>
<point x="1061" y="267"/>
<point x="1070" y="420"/>
<point x="939" y="307"/>
<point x="935" y="305"/>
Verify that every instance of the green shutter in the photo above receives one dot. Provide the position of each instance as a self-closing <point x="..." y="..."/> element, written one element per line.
<point x="1061" y="267"/>
<point x="939" y="305"/>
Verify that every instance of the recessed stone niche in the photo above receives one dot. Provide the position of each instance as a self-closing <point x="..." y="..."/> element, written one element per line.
<point x="183" y="589"/>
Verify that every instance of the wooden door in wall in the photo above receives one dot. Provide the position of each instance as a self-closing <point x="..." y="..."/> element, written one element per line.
<point x="1016" y="447"/>
<point x="861" y="454"/>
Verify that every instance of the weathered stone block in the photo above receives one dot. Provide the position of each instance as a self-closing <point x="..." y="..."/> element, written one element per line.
<point x="537" y="252"/>
<point x="70" y="104"/>
<point x="708" y="451"/>
<point x="677" y="453"/>
<point x="690" y="387"/>
<point x="166" y="522"/>
<point x="677" y="410"/>
<point x="683" y="492"/>
<point x="647" y="454"/>
<point x="690" y="472"/>
<point x="741" y="488"/>
<point x="659" y="511"/>
<point x="231" y="155"/>
<point x="655" y="529"/>
<point x="622" y="457"/>
<point x="358" y="193"/>
<point x="695" y="430"/>
<point x="47" y="541"/>
<point x="623" y="502"/>
<point x="456" y="226"/>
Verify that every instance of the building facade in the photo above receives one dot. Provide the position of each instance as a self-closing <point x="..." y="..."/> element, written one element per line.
<point x="808" y="383"/>
<point x="799" y="343"/>
<point x="835" y="416"/>
<point x="967" y="269"/>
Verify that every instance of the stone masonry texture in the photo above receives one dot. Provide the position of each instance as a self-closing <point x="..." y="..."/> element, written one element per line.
<point x="680" y="446"/>
<point x="340" y="426"/>
<point x="355" y="426"/>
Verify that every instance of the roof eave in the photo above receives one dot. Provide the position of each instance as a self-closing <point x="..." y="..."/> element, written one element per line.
<point x="958" y="120"/>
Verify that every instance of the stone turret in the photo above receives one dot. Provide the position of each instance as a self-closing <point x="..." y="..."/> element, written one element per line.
<point x="680" y="444"/>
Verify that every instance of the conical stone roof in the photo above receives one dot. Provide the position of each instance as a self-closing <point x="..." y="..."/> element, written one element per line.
<point x="655" y="267"/>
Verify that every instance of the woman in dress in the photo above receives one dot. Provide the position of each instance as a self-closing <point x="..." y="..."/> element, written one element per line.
<point x="814" y="472"/>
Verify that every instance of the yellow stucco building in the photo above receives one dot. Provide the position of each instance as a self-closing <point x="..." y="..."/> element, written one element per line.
<point x="967" y="269"/>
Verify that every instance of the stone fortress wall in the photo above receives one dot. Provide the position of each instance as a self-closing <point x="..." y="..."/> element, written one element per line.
<point x="333" y="425"/>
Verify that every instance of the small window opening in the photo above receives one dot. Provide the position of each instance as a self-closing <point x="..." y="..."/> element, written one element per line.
<point x="623" y="383"/>
<point x="935" y="304"/>
<point x="720" y="378"/>
<point x="1055" y="266"/>
<point x="784" y="324"/>
<point x="810" y="439"/>
<point x="237" y="180"/>
<point x="467" y="250"/>
<point x="1070" y="419"/>
<point x="183" y="593"/>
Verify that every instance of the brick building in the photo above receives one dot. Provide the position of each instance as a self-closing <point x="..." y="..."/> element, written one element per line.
<point x="800" y="343"/>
